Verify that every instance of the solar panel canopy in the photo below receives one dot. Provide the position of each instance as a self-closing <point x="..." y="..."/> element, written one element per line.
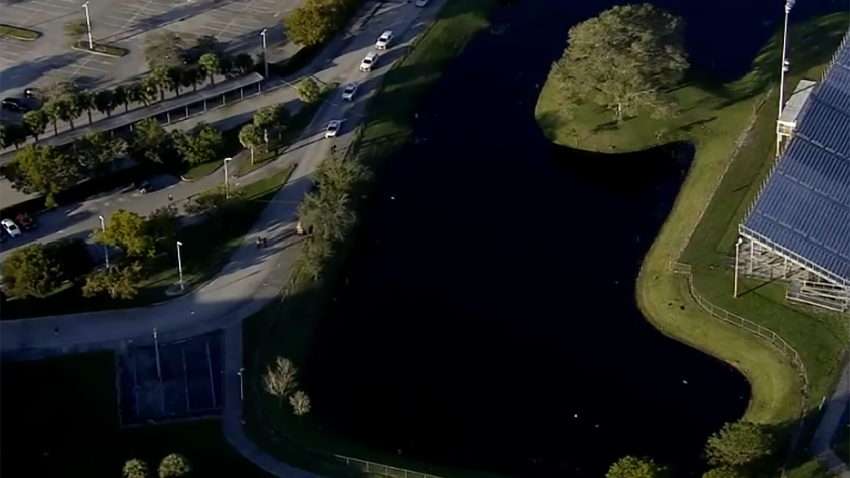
<point x="804" y="208"/>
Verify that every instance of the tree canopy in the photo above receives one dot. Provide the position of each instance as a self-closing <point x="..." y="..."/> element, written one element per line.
<point x="624" y="60"/>
<point x="313" y="23"/>
<point x="309" y="91"/>
<point x="117" y="282"/>
<point x="42" y="170"/>
<point x="202" y="146"/>
<point x="739" y="443"/>
<point x="129" y="231"/>
<point x="97" y="150"/>
<point x="174" y="466"/>
<point x="163" y="49"/>
<point x="135" y="468"/>
<point x="633" y="467"/>
<point x="30" y="271"/>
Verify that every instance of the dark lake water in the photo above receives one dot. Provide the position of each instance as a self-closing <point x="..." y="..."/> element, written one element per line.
<point x="489" y="321"/>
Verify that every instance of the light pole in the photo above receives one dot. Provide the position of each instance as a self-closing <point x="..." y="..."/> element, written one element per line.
<point x="180" y="264"/>
<point x="226" y="180"/>
<point x="156" y="350"/>
<point x="105" y="247"/>
<point x="265" y="52"/>
<point x="88" y="25"/>
<point x="241" y="384"/>
<point x="737" y="254"/>
<point x="785" y="63"/>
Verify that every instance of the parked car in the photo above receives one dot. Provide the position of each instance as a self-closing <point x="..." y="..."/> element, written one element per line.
<point x="25" y="221"/>
<point x="348" y="91"/>
<point x="31" y="93"/>
<point x="333" y="128"/>
<point x="369" y="61"/>
<point x="384" y="40"/>
<point x="14" y="105"/>
<point x="10" y="227"/>
<point x="145" y="187"/>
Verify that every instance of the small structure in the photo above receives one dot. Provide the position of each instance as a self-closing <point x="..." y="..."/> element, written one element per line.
<point x="788" y="119"/>
<point x="798" y="229"/>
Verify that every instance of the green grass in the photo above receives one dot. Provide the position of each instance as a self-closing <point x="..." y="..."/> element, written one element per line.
<point x="286" y="329"/>
<point x="61" y="419"/>
<point x="198" y="171"/>
<point x="714" y="117"/>
<point x="208" y="247"/>
<point x="100" y="48"/>
<point x="19" y="33"/>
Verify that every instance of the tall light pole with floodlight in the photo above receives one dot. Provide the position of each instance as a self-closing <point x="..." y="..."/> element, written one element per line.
<point x="180" y="264"/>
<point x="226" y="180"/>
<point x="105" y="247"/>
<point x="785" y="63"/>
<point x="88" y="25"/>
<point x="265" y="52"/>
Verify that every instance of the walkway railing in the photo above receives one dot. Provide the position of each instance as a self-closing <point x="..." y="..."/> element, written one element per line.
<point x="380" y="469"/>
<point x="760" y="331"/>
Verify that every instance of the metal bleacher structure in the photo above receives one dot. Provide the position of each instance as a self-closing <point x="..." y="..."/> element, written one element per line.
<point x="798" y="228"/>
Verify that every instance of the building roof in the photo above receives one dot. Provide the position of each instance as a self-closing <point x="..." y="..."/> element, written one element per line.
<point x="803" y="211"/>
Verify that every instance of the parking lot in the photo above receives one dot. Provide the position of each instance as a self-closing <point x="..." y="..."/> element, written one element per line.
<point x="125" y="23"/>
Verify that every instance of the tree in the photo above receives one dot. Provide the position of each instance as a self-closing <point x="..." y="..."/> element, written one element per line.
<point x="739" y="443"/>
<point x="163" y="49"/>
<point x="30" y="271"/>
<point x="73" y="257"/>
<point x="116" y="282"/>
<point x="242" y="64"/>
<point x="160" y="78"/>
<point x="312" y="23"/>
<point x="163" y="223"/>
<point x="211" y="64"/>
<point x="339" y="175"/>
<point x="105" y="102"/>
<point x="274" y="117"/>
<point x="36" y="122"/>
<point x="279" y="379"/>
<point x="632" y="467"/>
<point x="130" y="232"/>
<point x="14" y="134"/>
<point x="300" y="402"/>
<point x="135" y="468"/>
<point x="173" y="79"/>
<point x="724" y="472"/>
<point x="140" y="92"/>
<point x="53" y="86"/>
<point x="97" y="150"/>
<point x="50" y="109"/>
<point x="174" y="466"/>
<point x="42" y="170"/>
<point x="624" y="60"/>
<point x="75" y="29"/>
<point x="327" y="215"/>
<point x="309" y="91"/>
<point x="250" y="138"/>
<point x="121" y="96"/>
<point x="66" y="108"/>
<point x="209" y="201"/>
<point x="84" y="101"/>
<point x="150" y="141"/>
<point x="202" y="146"/>
<point x="311" y="262"/>
<point x="191" y="76"/>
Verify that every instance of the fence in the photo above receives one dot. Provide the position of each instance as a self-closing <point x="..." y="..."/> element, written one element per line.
<point x="379" y="469"/>
<point x="759" y="331"/>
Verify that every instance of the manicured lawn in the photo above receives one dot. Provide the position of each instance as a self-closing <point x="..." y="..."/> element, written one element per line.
<point x="60" y="419"/>
<point x="286" y="329"/>
<point x="200" y="170"/>
<point x="18" y="33"/>
<point x="208" y="245"/>
<point x="108" y="50"/>
<point x="714" y="117"/>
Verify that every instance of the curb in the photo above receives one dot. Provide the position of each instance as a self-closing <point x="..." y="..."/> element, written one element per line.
<point x="108" y="55"/>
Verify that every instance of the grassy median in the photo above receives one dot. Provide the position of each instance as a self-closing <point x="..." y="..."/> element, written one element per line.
<point x="716" y="117"/>
<point x="286" y="329"/>
<point x="19" y="33"/>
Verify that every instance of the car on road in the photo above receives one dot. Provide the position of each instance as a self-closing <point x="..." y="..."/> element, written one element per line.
<point x="384" y="40"/>
<point x="348" y="91"/>
<point x="25" y="221"/>
<point x="14" y="105"/>
<point x="333" y="128"/>
<point x="421" y="3"/>
<point x="369" y="61"/>
<point x="31" y="93"/>
<point x="10" y="227"/>
<point x="145" y="187"/>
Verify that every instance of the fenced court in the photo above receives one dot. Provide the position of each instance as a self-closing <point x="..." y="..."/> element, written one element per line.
<point x="186" y="382"/>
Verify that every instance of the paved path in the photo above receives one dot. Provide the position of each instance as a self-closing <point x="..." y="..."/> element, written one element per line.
<point x="836" y="407"/>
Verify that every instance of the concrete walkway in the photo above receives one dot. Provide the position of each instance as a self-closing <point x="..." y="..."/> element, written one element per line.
<point x="821" y="446"/>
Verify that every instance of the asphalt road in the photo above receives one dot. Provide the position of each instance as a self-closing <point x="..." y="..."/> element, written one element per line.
<point x="254" y="276"/>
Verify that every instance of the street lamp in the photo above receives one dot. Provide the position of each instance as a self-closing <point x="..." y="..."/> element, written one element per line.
<point x="737" y="254"/>
<point x="105" y="247"/>
<point x="88" y="25"/>
<point x="156" y="349"/>
<point x="785" y="63"/>
<point x="226" y="181"/>
<point x="180" y="264"/>
<point x="265" y="53"/>
<point x="241" y="384"/>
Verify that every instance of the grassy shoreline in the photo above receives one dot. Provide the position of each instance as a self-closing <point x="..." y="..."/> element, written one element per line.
<point x="726" y="174"/>
<point x="285" y="329"/>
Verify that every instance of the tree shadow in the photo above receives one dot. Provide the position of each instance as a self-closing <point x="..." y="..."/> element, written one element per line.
<point x="28" y="72"/>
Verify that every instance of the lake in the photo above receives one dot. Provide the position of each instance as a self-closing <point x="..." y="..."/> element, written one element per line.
<point x="488" y="320"/>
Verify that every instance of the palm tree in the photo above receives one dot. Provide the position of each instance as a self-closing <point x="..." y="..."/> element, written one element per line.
<point x="51" y="110"/>
<point x="243" y="63"/>
<point x="250" y="138"/>
<point x="14" y="134"/>
<point x="138" y="92"/>
<point x="66" y="108"/>
<point x="159" y="78"/>
<point x="105" y="102"/>
<point x="84" y="100"/>
<point x="121" y="96"/>
<point x="36" y="122"/>
<point x="191" y="76"/>
<point x="175" y="77"/>
<point x="211" y="64"/>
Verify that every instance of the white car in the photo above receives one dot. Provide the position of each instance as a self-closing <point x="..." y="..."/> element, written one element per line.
<point x="384" y="40"/>
<point x="332" y="129"/>
<point x="369" y="61"/>
<point x="11" y="228"/>
<point x="421" y="3"/>
<point x="348" y="91"/>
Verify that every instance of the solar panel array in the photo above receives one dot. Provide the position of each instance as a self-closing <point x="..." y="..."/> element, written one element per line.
<point x="804" y="208"/>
